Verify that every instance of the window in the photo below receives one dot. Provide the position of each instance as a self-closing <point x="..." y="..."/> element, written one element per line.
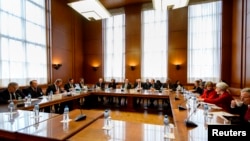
<point x="204" y="42"/>
<point x="154" y="44"/>
<point x="22" y="41"/>
<point x="114" y="46"/>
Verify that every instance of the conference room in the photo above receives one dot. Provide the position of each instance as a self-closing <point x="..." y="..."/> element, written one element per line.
<point x="138" y="41"/>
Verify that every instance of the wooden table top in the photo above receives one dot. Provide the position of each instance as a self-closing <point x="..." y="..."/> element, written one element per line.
<point x="199" y="133"/>
<point x="54" y="129"/>
<point x="121" y="130"/>
<point x="10" y="123"/>
<point x="132" y="93"/>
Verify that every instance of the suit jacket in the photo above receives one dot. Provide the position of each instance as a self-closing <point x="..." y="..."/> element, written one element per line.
<point x="112" y="85"/>
<point x="102" y="85"/>
<point x="241" y="111"/>
<point x="67" y="87"/>
<point x="52" y="88"/>
<point x="136" y="85"/>
<point x="34" y="93"/>
<point x="223" y="101"/>
<point x="146" y="86"/>
<point x="168" y="85"/>
<point x="5" y="96"/>
<point x="210" y="94"/>
<point x="128" y="86"/>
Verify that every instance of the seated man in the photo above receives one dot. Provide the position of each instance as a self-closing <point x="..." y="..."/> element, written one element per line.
<point x="70" y="86"/>
<point x="33" y="90"/>
<point x="12" y="93"/>
<point x="242" y="106"/>
<point x="100" y="85"/>
<point x="55" y="88"/>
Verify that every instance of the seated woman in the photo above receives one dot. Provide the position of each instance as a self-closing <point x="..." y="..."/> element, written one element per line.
<point x="209" y="91"/>
<point x="224" y="98"/>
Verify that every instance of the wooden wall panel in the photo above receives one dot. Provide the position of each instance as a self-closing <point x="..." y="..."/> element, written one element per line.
<point x="177" y="44"/>
<point x="92" y="50"/>
<point x="236" y="60"/>
<point x="133" y="42"/>
<point x="247" y="64"/>
<point x="67" y="47"/>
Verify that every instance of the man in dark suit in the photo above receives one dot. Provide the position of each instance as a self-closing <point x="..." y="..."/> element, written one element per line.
<point x="33" y="90"/>
<point x="70" y="86"/>
<point x="11" y="94"/>
<point x="55" y="89"/>
<point x="100" y="85"/>
<point x="147" y="85"/>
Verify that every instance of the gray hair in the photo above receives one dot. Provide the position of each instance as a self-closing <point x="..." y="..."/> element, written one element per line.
<point x="247" y="90"/>
<point x="12" y="84"/>
<point x="222" y="86"/>
<point x="58" y="80"/>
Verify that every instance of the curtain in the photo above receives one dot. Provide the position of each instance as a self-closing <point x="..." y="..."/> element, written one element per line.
<point x="22" y="42"/>
<point x="204" y="41"/>
<point x="114" y="46"/>
<point x="154" y="44"/>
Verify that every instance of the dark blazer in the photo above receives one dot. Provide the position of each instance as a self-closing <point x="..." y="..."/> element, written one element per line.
<point x="168" y="85"/>
<point x="5" y="96"/>
<point x="52" y="88"/>
<point x="146" y="86"/>
<point x="155" y="86"/>
<point x="112" y="85"/>
<point x="102" y="85"/>
<point x="67" y="87"/>
<point x="34" y="94"/>
<point x="129" y="86"/>
<point x="136" y="84"/>
<point x="198" y="90"/>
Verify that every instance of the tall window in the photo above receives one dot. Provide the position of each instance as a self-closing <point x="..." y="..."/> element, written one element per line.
<point x="204" y="41"/>
<point x="154" y="44"/>
<point x="22" y="41"/>
<point x="114" y="46"/>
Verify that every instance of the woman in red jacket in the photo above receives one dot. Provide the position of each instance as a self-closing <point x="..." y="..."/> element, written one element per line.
<point x="224" y="98"/>
<point x="209" y="91"/>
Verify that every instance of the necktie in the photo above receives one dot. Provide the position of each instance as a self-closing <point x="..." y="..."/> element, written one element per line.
<point x="247" y="114"/>
<point x="13" y="96"/>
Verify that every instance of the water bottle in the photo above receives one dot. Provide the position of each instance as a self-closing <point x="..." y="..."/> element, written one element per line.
<point x="194" y="103"/>
<point x="11" y="106"/>
<point x="166" y="124"/>
<point x="106" y="118"/>
<point x="66" y="114"/>
<point x="29" y="98"/>
<point x="205" y="107"/>
<point x="36" y="110"/>
<point x="50" y="95"/>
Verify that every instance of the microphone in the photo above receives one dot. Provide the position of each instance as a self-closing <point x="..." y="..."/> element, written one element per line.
<point x="180" y="107"/>
<point x="81" y="116"/>
<point x="190" y="123"/>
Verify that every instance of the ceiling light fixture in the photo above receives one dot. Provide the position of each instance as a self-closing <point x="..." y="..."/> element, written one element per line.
<point x="90" y="9"/>
<point x="169" y="4"/>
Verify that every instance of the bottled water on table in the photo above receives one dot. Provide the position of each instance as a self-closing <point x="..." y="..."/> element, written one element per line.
<point x="107" y="119"/>
<point x="66" y="114"/>
<point x="29" y="98"/>
<point x="11" y="107"/>
<point x="50" y="95"/>
<point x="36" y="111"/>
<point x="166" y="124"/>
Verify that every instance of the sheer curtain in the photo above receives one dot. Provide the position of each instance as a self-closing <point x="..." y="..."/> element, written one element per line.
<point x="154" y="44"/>
<point x="22" y="41"/>
<point x="114" y="46"/>
<point x="204" y="41"/>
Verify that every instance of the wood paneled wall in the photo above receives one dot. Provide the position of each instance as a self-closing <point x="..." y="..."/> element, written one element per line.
<point x="77" y="43"/>
<point x="67" y="41"/>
